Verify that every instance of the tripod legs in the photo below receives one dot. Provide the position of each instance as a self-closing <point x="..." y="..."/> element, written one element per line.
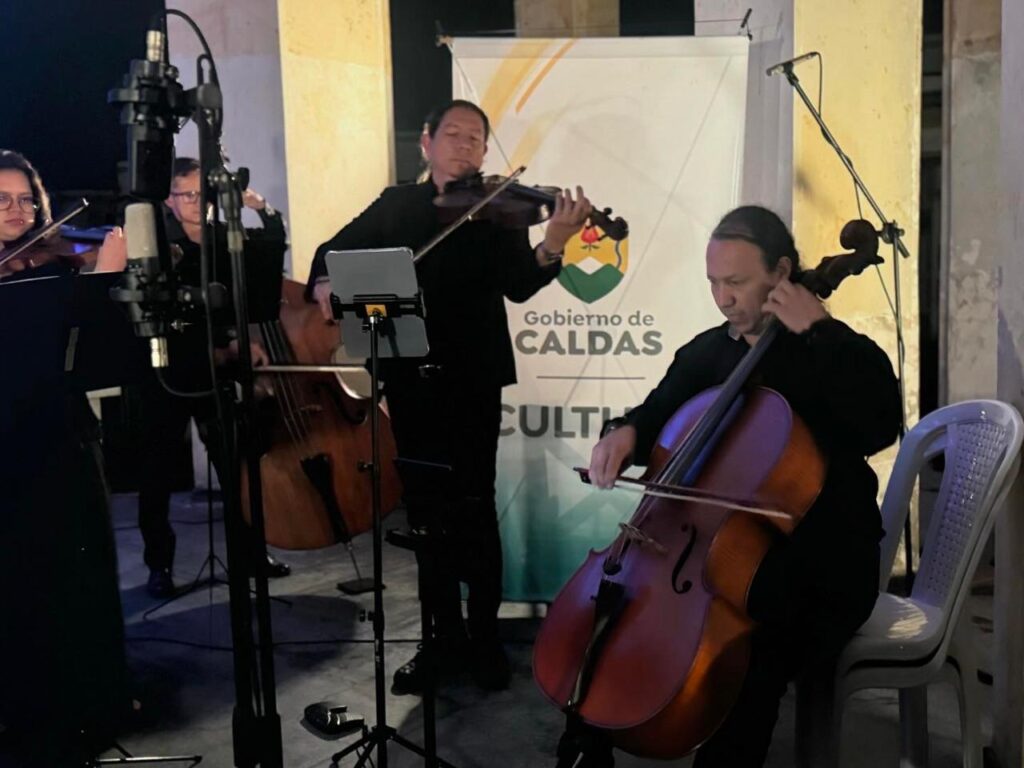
<point x="211" y="562"/>
<point x="378" y="736"/>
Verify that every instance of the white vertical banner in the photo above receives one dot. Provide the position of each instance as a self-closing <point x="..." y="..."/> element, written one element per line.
<point x="653" y="128"/>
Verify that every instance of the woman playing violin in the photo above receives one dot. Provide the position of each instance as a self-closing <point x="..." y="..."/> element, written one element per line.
<point x="449" y="413"/>
<point x="25" y="208"/>
<point x="816" y="587"/>
<point x="61" y="641"/>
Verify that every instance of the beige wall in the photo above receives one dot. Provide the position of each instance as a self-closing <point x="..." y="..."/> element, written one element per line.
<point x="243" y="40"/>
<point x="871" y="102"/>
<point x="336" y="81"/>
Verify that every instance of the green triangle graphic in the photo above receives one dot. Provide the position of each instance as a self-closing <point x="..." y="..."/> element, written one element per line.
<point x="589" y="288"/>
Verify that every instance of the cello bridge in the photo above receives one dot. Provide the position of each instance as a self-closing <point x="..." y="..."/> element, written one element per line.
<point x="634" y="534"/>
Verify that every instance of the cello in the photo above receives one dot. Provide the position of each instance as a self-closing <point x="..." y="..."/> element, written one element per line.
<point x="650" y="639"/>
<point x="316" y="487"/>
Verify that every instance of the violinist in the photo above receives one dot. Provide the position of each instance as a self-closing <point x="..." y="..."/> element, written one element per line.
<point x="164" y="418"/>
<point x="816" y="587"/>
<point x="448" y="411"/>
<point x="24" y="210"/>
<point x="62" y="658"/>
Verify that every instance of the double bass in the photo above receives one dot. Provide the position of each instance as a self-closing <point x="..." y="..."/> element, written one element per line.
<point x="316" y="489"/>
<point x="650" y="639"/>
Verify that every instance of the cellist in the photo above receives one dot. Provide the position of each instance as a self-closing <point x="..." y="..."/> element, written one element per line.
<point x="816" y="587"/>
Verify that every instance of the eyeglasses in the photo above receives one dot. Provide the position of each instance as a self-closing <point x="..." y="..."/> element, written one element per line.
<point x="27" y="203"/>
<point x="191" y="196"/>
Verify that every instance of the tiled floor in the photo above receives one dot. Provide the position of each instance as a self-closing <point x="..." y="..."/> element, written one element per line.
<point x="186" y="689"/>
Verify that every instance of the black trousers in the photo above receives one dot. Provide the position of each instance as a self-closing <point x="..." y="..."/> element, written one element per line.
<point x="442" y="420"/>
<point x="803" y="620"/>
<point x="163" y="424"/>
<point x="63" y="676"/>
<point x="164" y="420"/>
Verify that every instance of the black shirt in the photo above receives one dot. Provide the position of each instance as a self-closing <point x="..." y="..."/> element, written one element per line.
<point x="269" y="242"/>
<point x="838" y="381"/>
<point x="264" y="250"/>
<point x="464" y="279"/>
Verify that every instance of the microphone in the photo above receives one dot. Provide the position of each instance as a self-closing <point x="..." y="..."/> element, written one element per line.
<point x="784" y="66"/>
<point x="145" y="286"/>
<point x="151" y="101"/>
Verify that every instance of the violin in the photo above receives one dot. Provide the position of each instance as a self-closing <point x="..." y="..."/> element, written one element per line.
<point x="650" y="639"/>
<point x="44" y="246"/>
<point x="514" y="205"/>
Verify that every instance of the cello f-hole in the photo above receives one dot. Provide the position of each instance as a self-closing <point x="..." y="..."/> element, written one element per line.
<point x="681" y="588"/>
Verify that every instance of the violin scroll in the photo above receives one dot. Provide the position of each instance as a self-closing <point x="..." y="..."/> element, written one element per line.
<point x="859" y="235"/>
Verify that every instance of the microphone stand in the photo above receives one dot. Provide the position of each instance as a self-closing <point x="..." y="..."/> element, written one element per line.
<point x="891" y="233"/>
<point x="256" y="724"/>
<point x="153" y="103"/>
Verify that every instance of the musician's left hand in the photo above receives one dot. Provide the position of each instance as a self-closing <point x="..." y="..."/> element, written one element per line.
<point x="795" y="306"/>
<point x="568" y="218"/>
<point x="113" y="254"/>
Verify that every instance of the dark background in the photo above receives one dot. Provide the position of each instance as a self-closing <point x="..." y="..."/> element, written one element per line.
<point x="62" y="56"/>
<point x="59" y="58"/>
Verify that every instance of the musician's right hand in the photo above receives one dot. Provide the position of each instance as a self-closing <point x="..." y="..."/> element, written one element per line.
<point x="611" y="454"/>
<point x="322" y="295"/>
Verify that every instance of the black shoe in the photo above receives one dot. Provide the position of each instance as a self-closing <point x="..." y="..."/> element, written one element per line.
<point x="160" y="584"/>
<point x="489" y="665"/>
<point x="410" y="678"/>
<point x="274" y="568"/>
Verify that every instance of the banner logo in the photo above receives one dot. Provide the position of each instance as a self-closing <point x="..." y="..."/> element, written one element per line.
<point x="593" y="264"/>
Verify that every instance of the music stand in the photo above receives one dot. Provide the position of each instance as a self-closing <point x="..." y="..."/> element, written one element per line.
<point x="72" y="338"/>
<point x="380" y="307"/>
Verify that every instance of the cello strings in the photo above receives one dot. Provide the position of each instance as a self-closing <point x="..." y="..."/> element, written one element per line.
<point x="289" y="393"/>
<point x="280" y="392"/>
<point x="283" y="392"/>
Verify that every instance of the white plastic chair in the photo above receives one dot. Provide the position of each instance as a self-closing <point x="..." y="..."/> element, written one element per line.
<point x="908" y="643"/>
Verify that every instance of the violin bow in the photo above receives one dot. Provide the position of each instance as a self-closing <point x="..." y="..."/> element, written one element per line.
<point x="679" y="493"/>
<point x="468" y="214"/>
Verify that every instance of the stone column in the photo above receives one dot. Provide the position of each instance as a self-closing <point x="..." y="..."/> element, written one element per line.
<point x="336" y="78"/>
<point x="1008" y="669"/>
<point x="971" y="202"/>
